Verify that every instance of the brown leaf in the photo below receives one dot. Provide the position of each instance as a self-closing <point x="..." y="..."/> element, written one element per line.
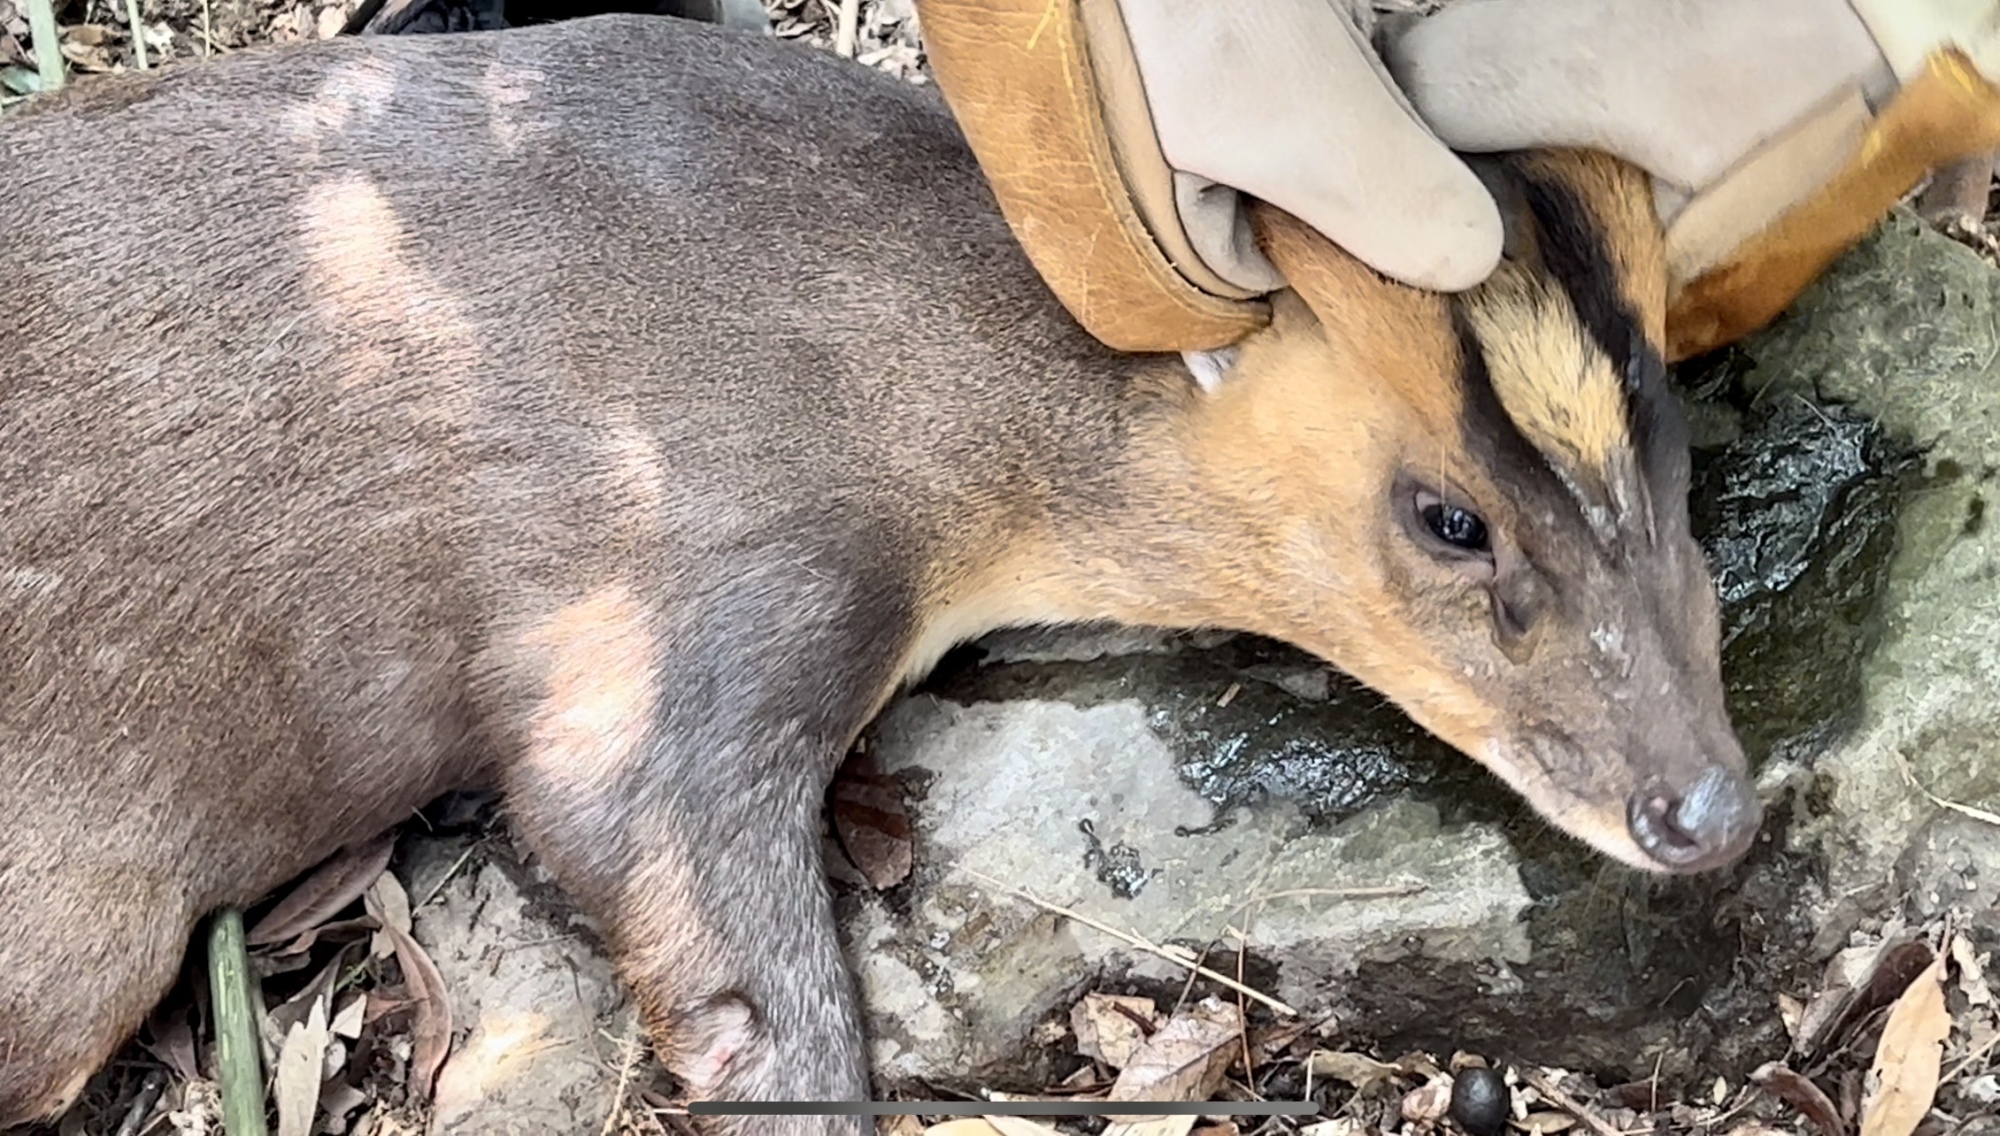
<point x="296" y="1080"/>
<point x="1357" y="1069"/>
<point x="1185" y="1059"/>
<point x="389" y="904"/>
<point x="871" y="822"/>
<point x="1108" y="1027"/>
<point x="1858" y="982"/>
<point x="351" y="930"/>
<point x="337" y="1098"/>
<point x="173" y="1041"/>
<point x="430" y="1021"/>
<point x="1971" y="975"/>
<point x="1152" y="1126"/>
<point x="986" y="1126"/>
<point x="318" y="992"/>
<point x="320" y="896"/>
<point x="1904" y="1078"/>
<point x="1798" y="1091"/>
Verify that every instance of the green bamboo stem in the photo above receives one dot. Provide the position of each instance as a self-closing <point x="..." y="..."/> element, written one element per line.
<point x="48" y="45"/>
<point x="138" y="33"/>
<point x="239" y="1064"/>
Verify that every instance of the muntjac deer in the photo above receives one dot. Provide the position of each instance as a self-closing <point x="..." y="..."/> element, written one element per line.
<point x="636" y="482"/>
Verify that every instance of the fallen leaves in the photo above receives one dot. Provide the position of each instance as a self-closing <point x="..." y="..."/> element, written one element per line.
<point x="1185" y="1059"/>
<point x="429" y="1001"/>
<point x="1904" y="1077"/>
<point x="1799" y="1092"/>
<point x="871" y="823"/>
<point x="334" y="885"/>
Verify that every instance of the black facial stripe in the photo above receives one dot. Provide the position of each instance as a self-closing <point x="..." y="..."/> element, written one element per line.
<point x="1578" y="257"/>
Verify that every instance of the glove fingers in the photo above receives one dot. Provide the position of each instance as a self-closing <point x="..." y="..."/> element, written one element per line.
<point x="1283" y="100"/>
<point x="1682" y="88"/>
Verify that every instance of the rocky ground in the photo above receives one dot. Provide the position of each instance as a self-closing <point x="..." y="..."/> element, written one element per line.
<point x="1100" y="863"/>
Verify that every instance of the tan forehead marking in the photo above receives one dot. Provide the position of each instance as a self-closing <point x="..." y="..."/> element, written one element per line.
<point x="1552" y="378"/>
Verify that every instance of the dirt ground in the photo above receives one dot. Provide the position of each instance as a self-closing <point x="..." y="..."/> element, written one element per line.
<point x="1896" y="1039"/>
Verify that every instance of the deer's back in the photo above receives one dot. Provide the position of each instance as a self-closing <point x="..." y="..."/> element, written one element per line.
<point x="331" y="374"/>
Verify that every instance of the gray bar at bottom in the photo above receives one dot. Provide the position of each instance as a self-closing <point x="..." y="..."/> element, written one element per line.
<point x="1002" y="1108"/>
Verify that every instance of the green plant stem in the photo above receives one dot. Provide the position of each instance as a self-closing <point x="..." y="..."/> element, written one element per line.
<point x="239" y="1065"/>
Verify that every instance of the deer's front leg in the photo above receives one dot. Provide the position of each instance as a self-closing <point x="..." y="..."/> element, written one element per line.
<point x="688" y="826"/>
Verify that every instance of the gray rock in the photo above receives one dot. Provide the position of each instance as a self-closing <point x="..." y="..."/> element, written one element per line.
<point x="1083" y="807"/>
<point x="1908" y="330"/>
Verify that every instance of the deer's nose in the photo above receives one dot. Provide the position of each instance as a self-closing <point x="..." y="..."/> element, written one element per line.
<point x="1707" y="824"/>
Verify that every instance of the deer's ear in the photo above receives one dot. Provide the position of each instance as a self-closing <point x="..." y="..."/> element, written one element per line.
<point x="1352" y="300"/>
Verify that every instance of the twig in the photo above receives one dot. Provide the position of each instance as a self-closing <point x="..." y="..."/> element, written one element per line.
<point x="238" y="1068"/>
<point x="625" y="1067"/>
<point x="48" y="45"/>
<point x="1569" y="1104"/>
<point x="138" y="33"/>
<point x="848" y="30"/>
<point x="1973" y="811"/>
<point x="1959" y="1069"/>
<point x="1243" y="1015"/>
<point x="448" y="874"/>
<point x="1136" y="941"/>
<point x="1377" y="891"/>
<point x="142" y="1104"/>
<point x="207" y="40"/>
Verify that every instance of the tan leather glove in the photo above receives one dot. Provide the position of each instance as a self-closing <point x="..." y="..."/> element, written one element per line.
<point x="1117" y="134"/>
<point x="1778" y="131"/>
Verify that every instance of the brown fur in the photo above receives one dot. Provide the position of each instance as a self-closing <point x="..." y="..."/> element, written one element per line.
<point x="617" y="412"/>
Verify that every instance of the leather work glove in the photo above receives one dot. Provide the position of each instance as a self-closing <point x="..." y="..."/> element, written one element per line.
<point x="1778" y="132"/>
<point x="1116" y="133"/>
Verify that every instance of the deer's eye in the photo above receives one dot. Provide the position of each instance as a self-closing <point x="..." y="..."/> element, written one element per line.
<point x="1457" y="527"/>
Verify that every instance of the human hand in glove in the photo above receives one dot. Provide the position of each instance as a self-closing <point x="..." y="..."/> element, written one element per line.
<point x="1118" y="132"/>
<point x="1777" y="132"/>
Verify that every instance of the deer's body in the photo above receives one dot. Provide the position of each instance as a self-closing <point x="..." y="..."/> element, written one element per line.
<point x="616" y="412"/>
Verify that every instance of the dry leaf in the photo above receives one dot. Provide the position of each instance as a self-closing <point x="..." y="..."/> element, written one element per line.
<point x="389" y="904"/>
<point x="353" y="1012"/>
<point x="1107" y="1027"/>
<point x="320" y="896"/>
<point x="301" y="1061"/>
<point x="1185" y="1059"/>
<point x="1859" y="981"/>
<point x="1792" y="1012"/>
<point x="871" y="823"/>
<point x="1545" y="1123"/>
<point x="1799" y="1092"/>
<point x="1971" y="975"/>
<point x="1904" y="1078"/>
<point x="1426" y="1104"/>
<point x="173" y="1041"/>
<point x="336" y="1100"/>
<point x="989" y="1126"/>
<point x="1356" y="1069"/>
<point x="1152" y="1126"/>
<point x="316" y="994"/>
<point x="430" y="1024"/>
<point x="1338" y="1126"/>
<point x="1021" y="1126"/>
